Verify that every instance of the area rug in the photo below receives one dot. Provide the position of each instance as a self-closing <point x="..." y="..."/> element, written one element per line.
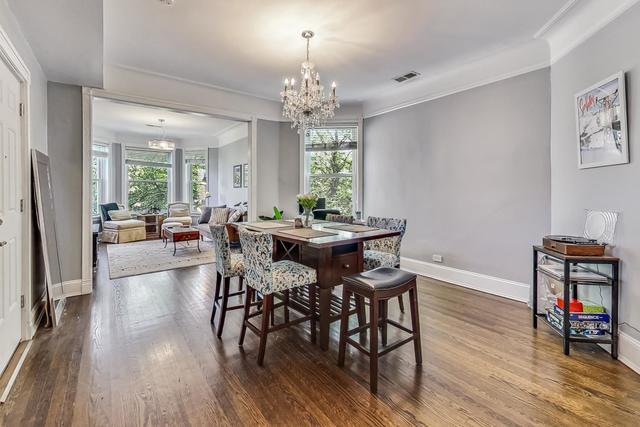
<point x="149" y="256"/>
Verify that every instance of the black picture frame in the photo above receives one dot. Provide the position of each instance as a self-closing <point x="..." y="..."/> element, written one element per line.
<point x="237" y="176"/>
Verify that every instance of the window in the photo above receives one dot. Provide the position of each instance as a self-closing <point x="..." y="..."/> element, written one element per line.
<point x="330" y="166"/>
<point x="196" y="178"/>
<point x="148" y="179"/>
<point x="99" y="177"/>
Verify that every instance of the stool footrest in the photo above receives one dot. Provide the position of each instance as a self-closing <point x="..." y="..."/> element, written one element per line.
<point x="358" y="346"/>
<point x="399" y="326"/>
<point x="395" y="345"/>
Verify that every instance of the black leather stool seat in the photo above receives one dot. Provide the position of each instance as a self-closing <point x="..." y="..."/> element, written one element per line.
<point x="382" y="278"/>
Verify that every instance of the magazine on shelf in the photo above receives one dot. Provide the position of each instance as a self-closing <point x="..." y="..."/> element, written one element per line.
<point x="576" y="273"/>
<point x="593" y="317"/>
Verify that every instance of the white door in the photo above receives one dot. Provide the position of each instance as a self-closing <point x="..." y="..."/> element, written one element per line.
<point x="11" y="227"/>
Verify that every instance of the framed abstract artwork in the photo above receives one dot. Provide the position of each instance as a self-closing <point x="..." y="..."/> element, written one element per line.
<point x="245" y="175"/>
<point x="237" y="176"/>
<point x="601" y="123"/>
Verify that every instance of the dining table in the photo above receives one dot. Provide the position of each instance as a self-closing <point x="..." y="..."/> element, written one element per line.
<point x="333" y="249"/>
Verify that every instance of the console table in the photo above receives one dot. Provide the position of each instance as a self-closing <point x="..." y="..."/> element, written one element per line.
<point x="571" y="290"/>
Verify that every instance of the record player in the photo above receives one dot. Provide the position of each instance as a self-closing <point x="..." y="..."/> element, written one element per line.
<point x="574" y="245"/>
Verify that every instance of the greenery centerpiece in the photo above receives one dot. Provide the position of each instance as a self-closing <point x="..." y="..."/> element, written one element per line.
<point x="308" y="201"/>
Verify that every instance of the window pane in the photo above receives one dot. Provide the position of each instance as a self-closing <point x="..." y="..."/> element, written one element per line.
<point x="337" y="191"/>
<point x="331" y="162"/>
<point x="148" y="187"/>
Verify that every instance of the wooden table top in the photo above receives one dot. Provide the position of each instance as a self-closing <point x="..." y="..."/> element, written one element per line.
<point x="339" y="237"/>
<point x="577" y="258"/>
<point x="181" y="230"/>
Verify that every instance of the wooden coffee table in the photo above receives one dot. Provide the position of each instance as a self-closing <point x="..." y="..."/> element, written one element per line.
<point x="182" y="234"/>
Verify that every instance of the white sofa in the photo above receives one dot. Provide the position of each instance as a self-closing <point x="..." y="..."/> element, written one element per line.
<point x="121" y="231"/>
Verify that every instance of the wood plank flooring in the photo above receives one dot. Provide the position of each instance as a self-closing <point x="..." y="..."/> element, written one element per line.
<point x="140" y="351"/>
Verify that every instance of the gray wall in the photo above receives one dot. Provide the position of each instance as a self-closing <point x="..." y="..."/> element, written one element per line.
<point x="288" y="170"/>
<point x="612" y="49"/>
<point x="470" y="172"/>
<point x="178" y="175"/>
<point x="116" y="171"/>
<point x="65" y="154"/>
<point x="267" y="156"/>
<point x="236" y="153"/>
<point x="212" y="176"/>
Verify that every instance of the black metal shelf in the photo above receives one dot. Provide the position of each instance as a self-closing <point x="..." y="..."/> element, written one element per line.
<point x="576" y="282"/>
<point x="571" y="289"/>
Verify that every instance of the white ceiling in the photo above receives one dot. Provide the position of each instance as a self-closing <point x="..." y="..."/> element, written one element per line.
<point x="125" y="118"/>
<point x="65" y="36"/>
<point x="251" y="45"/>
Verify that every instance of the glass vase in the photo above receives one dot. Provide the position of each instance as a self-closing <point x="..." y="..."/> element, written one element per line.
<point x="307" y="217"/>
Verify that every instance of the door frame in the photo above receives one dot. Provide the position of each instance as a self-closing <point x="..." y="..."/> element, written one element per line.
<point x="10" y="56"/>
<point x="87" y="137"/>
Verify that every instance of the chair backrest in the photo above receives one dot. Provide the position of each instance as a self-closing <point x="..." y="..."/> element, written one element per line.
<point x="106" y="207"/>
<point x="347" y="219"/>
<point x="388" y="244"/>
<point x="177" y="206"/>
<point x="221" y="247"/>
<point x="257" y="251"/>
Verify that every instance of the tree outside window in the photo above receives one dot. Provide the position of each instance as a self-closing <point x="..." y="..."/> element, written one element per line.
<point x="148" y="179"/>
<point x="196" y="170"/>
<point x="330" y="167"/>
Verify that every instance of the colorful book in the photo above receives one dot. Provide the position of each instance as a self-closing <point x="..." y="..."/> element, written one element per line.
<point x="580" y="324"/>
<point x="584" y="316"/>
<point x="584" y="332"/>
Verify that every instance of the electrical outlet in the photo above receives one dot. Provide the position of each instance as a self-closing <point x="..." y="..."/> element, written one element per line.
<point x="436" y="258"/>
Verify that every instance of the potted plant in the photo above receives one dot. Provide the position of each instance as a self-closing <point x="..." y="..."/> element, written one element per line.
<point x="308" y="201"/>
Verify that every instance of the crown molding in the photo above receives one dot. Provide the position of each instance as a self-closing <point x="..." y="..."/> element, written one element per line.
<point x="577" y="21"/>
<point x="564" y="10"/>
<point x="521" y="59"/>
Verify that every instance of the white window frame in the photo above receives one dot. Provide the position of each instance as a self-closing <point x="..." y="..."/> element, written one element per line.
<point x="187" y="175"/>
<point x="125" y="171"/>
<point x="106" y="187"/>
<point x="357" y="189"/>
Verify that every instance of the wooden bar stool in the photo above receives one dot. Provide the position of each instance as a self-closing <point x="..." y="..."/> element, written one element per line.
<point x="379" y="286"/>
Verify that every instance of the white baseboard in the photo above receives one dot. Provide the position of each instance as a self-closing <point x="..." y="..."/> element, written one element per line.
<point x="629" y="351"/>
<point x="480" y="282"/>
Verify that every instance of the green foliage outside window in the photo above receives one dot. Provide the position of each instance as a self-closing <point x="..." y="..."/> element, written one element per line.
<point x="148" y="188"/>
<point x="330" y="176"/>
<point x="198" y="187"/>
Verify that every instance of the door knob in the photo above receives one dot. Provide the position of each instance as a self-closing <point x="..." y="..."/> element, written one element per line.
<point x="3" y="244"/>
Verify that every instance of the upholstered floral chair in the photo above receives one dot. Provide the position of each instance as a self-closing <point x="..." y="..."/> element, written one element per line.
<point x="347" y="219"/>
<point x="385" y="252"/>
<point x="265" y="276"/>
<point x="228" y="265"/>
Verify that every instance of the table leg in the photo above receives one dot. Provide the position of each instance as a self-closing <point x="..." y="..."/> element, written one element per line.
<point x="166" y="240"/>
<point x="198" y="245"/>
<point x="174" y="248"/>
<point x="614" y="310"/>
<point x="567" y="304"/>
<point x="324" y="310"/>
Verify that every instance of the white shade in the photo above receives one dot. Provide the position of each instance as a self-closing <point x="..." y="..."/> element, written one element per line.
<point x="161" y="144"/>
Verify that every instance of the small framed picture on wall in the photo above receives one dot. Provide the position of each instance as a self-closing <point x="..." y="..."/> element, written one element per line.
<point x="601" y="122"/>
<point x="245" y="175"/>
<point x="237" y="176"/>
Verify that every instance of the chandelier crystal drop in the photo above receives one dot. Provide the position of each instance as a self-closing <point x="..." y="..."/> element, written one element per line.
<point x="307" y="105"/>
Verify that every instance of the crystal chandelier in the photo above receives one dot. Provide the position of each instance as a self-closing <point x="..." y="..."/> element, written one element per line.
<point x="161" y="143"/>
<point x="307" y="106"/>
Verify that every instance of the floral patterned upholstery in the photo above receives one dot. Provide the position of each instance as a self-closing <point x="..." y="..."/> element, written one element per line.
<point x="381" y="252"/>
<point x="227" y="264"/>
<point x="347" y="219"/>
<point x="266" y="276"/>
<point x="375" y="259"/>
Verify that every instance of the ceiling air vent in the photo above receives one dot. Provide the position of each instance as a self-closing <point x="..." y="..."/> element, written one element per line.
<point x="410" y="75"/>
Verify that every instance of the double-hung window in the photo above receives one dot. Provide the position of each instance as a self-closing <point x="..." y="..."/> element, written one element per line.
<point x="149" y="174"/>
<point x="330" y="166"/>
<point x="99" y="176"/>
<point x="195" y="178"/>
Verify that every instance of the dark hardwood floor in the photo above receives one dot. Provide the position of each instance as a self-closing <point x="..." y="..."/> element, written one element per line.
<point x="140" y="351"/>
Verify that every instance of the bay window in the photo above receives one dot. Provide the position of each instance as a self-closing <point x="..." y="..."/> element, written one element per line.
<point x="148" y="178"/>
<point x="330" y="166"/>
